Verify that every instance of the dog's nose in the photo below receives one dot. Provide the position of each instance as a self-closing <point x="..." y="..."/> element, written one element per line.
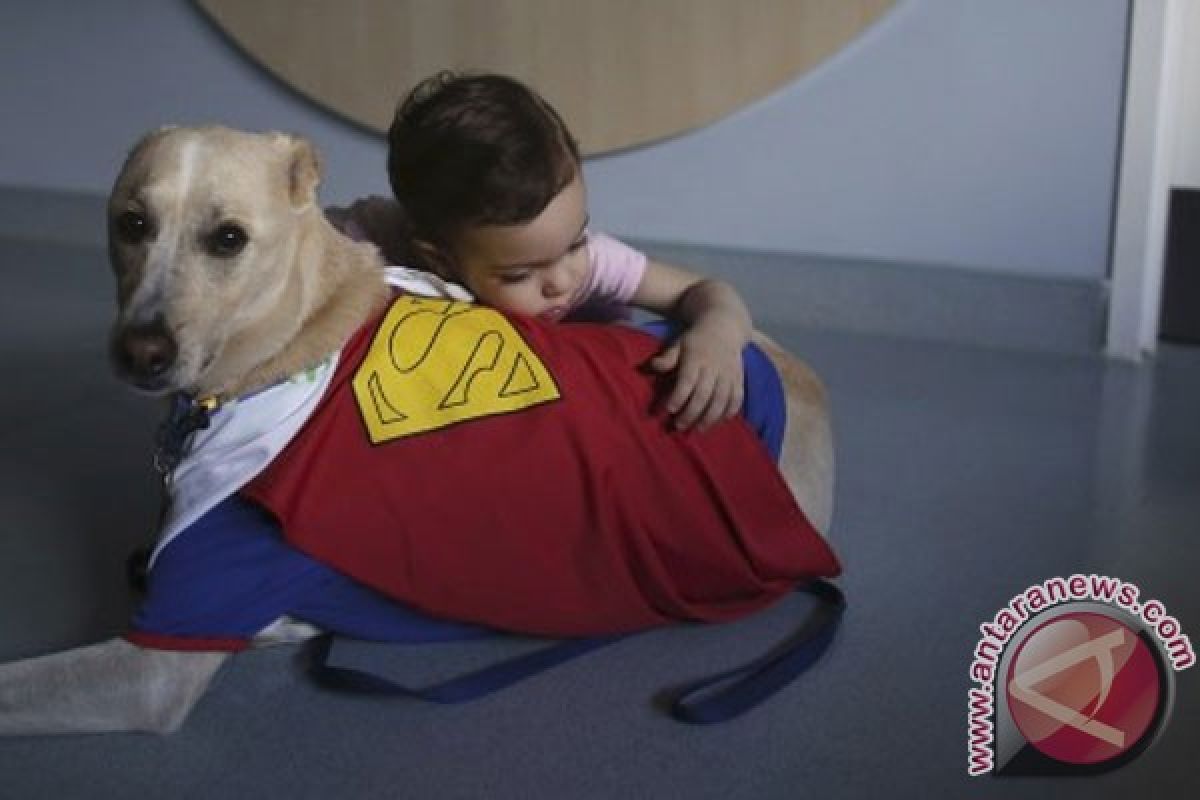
<point x="146" y="352"/>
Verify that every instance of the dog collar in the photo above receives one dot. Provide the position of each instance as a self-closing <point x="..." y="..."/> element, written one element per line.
<point x="188" y="414"/>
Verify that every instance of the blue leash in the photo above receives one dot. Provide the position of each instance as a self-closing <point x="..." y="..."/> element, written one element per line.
<point x="703" y="702"/>
<point x="713" y="699"/>
<point x="471" y="686"/>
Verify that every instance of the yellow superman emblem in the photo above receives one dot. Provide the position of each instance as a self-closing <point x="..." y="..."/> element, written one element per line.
<point x="435" y="363"/>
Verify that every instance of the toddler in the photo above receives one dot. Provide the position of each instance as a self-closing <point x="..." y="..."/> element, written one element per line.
<point x="489" y="194"/>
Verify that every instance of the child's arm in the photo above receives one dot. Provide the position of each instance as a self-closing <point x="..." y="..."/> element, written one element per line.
<point x="707" y="356"/>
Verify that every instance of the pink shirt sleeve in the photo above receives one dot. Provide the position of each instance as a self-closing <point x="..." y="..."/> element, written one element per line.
<point x="616" y="271"/>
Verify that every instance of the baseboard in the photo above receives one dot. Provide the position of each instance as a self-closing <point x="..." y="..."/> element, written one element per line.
<point x="783" y="289"/>
<point x="910" y="301"/>
<point x="42" y="215"/>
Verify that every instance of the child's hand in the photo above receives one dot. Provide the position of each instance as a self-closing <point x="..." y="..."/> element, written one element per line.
<point x="707" y="361"/>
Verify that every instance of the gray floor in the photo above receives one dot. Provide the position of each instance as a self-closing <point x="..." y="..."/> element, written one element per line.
<point x="966" y="475"/>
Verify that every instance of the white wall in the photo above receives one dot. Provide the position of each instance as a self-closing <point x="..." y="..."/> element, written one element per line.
<point x="80" y="81"/>
<point x="975" y="133"/>
<point x="978" y="134"/>
<point x="1158" y="153"/>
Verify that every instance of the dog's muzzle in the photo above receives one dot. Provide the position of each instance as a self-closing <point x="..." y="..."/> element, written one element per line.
<point x="144" y="354"/>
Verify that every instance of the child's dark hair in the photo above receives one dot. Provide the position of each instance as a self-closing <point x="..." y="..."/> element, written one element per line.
<point x="480" y="149"/>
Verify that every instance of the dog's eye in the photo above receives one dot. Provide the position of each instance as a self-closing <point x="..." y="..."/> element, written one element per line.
<point x="132" y="227"/>
<point x="227" y="240"/>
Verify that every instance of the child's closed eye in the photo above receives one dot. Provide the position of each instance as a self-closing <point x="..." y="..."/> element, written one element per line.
<point x="513" y="276"/>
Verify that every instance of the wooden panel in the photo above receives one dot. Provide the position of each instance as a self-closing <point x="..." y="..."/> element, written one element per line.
<point x="622" y="72"/>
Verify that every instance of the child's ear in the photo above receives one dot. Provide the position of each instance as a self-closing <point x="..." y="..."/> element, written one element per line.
<point x="436" y="259"/>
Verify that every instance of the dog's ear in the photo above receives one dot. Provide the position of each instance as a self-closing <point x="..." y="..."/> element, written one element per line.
<point x="303" y="170"/>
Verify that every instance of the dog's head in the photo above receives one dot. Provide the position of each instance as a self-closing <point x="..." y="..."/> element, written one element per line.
<point x="204" y="225"/>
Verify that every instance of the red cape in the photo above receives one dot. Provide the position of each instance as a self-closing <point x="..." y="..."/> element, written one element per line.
<point x="504" y="471"/>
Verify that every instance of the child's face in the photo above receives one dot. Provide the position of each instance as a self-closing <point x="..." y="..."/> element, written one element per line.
<point x="537" y="268"/>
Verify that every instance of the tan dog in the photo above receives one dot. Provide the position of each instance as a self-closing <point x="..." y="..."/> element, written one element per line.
<point x="230" y="278"/>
